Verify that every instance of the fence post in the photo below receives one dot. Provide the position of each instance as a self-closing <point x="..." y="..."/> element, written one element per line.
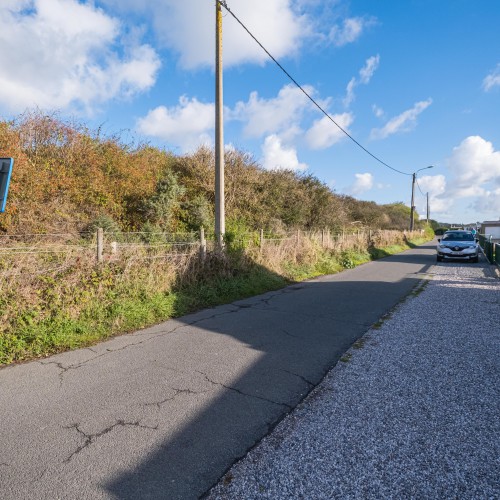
<point x="114" y="247"/>
<point x="298" y="237"/>
<point x="100" y="244"/>
<point x="203" y="244"/>
<point x="261" y="239"/>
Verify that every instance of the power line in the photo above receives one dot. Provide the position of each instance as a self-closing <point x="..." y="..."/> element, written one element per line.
<point x="418" y="185"/>
<point x="224" y="4"/>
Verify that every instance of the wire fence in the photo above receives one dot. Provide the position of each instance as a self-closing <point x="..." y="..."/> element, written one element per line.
<point x="40" y="254"/>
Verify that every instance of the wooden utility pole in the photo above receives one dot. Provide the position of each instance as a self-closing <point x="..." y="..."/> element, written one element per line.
<point x="220" y="217"/>
<point x="412" y="207"/>
<point x="427" y="208"/>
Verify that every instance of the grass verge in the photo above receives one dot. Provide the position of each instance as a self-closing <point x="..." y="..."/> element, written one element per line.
<point x="81" y="307"/>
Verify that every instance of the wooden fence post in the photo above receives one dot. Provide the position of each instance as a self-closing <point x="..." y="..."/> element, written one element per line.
<point x="203" y="244"/>
<point x="100" y="244"/>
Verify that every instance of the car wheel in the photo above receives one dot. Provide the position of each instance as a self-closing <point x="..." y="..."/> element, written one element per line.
<point x="439" y="258"/>
<point x="475" y="259"/>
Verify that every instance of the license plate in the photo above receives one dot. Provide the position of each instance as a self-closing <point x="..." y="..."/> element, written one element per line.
<point x="456" y="253"/>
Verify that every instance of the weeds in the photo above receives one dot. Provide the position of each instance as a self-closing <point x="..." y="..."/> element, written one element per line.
<point x="346" y="357"/>
<point x="55" y="301"/>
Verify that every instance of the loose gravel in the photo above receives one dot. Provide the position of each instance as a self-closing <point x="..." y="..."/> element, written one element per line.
<point x="411" y="411"/>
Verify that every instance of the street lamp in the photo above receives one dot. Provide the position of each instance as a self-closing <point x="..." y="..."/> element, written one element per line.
<point x="412" y="209"/>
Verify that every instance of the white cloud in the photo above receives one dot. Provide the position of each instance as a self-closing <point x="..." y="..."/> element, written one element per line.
<point x="378" y="111"/>
<point x="474" y="166"/>
<point x="64" y="54"/>
<point x="489" y="203"/>
<point x="432" y="184"/>
<point x="350" y="30"/>
<point x="365" y="75"/>
<point x="362" y="183"/>
<point x="492" y="80"/>
<point x="188" y="125"/>
<point x="367" y="71"/>
<point x="269" y="116"/>
<point x="324" y="133"/>
<point x="187" y="27"/>
<point x="474" y="163"/>
<point x="404" y="122"/>
<point x="435" y="185"/>
<point x="349" y="92"/>
<point x="277" y="156"/>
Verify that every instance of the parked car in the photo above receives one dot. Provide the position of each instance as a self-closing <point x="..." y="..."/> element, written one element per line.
<point x="458" y="245"/>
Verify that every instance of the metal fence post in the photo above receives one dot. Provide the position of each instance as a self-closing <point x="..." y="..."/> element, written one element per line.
<point x="100" y="244"/>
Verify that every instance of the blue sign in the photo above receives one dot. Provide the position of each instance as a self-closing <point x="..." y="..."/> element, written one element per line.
<point x="6" y="165"/>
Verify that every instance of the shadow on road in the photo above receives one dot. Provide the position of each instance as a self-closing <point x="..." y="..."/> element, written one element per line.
<point x="293" y="336"/>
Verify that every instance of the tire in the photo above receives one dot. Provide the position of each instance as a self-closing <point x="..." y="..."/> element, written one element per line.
<point x="475" y="260"/>
<point x="439" y="259"/>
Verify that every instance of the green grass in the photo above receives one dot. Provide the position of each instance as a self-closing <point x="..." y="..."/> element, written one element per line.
<point x="129" y="309"/>
<point x="109" y="306"/>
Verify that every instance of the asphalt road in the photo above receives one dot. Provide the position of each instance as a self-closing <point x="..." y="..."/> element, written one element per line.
<point x="162" y="413"/>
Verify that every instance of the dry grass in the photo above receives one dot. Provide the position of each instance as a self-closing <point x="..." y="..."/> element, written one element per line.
<point x="54" y="295"/>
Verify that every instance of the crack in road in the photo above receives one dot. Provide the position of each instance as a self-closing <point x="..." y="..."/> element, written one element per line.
<point x="238" y="391"/>
<point x="291" y="335"/>
<point x="301" y="377"/>
<point x="238" y="307"/>
<point x="91" y="438"/>
<point x="178" y="392"/>
<point x="65" y="369"/>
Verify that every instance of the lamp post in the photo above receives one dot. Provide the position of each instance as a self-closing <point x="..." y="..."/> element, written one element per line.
<point x="412" y="208"/>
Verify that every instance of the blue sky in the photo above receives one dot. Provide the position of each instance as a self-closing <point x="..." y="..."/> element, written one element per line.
<point x="416" y="82"/>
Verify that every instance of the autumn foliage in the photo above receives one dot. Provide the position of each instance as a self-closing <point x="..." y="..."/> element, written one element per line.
<point x="67" y="176"/>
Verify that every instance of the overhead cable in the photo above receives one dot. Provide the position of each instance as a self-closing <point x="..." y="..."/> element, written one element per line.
<point x="418" y="185"/>
<point x="224" y="4"/>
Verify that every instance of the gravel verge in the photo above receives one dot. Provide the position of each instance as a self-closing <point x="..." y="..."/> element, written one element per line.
<point x="411" y="411"/>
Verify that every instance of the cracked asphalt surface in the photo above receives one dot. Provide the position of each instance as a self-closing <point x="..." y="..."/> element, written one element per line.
<point x="165" y="411"/>
<point x="412" y="411"/>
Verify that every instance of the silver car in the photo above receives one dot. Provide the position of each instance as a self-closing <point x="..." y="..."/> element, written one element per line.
<point x="459" y="245"/>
